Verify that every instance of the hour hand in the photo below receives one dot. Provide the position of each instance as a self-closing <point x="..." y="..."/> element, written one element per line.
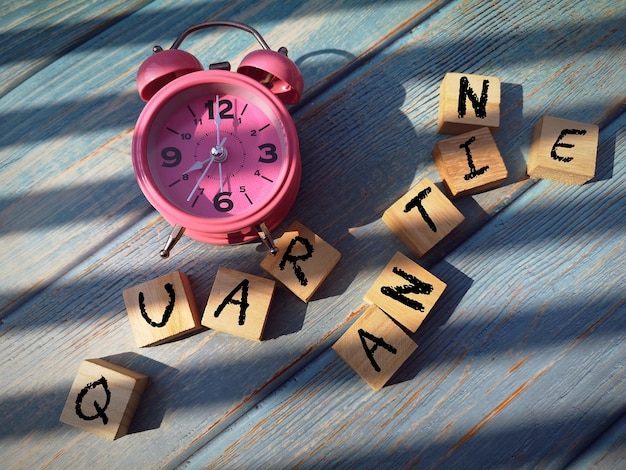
<point x="196" y="166"/>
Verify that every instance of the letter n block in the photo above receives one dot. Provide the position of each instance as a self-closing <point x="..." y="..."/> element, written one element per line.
<point x="470" y="163"/>
<point x="563" y="150"/>
<point x="103" y="398"/>
<point x="162" y="309"/>
<point x="375" y="347"/>
<point x="239" y="304"/>
<point x="303" y="261"/>
<point x="467" y="102"/>
<point x="405" y="291"/>
<point x="422" y="217"/>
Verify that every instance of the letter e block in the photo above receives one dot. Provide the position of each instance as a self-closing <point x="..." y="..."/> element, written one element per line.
<point x="375" y="347"/>
<point x="162" y="309"/>
<point x="422" y="217"/>
<point x="303" y="261"/>
<point x="563" y="150"/>
<point x="467" y="102"/>
<point x="469" y="163"/>
<point x="239" y="304"/>
<point x="103" y="398"/>
<point x="405" y="291"/>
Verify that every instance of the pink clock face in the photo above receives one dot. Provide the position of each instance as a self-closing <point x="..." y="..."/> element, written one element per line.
<point x="217" y="151"/>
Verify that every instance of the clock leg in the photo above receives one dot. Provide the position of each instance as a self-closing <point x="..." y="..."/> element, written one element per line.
<point x="176" y="233"/>
<point x="266" y="238"/>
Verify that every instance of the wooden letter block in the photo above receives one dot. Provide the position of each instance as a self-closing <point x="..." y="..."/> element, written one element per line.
<point x="103" y="398"/>
<point x="405" y="291"/>
<point x="563" y="150"/>
<point x="422" y="217"/>
<point x="467" y="102"/>
<point x="470" y="163"/>
<point x="375" y="347"/>
<point x="303" y="262"/>
<point x="162" y="309"/>
<point x="239" y="303"/>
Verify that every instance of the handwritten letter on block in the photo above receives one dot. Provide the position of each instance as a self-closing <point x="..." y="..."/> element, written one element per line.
<point x="375" y="347"/>
<point x="303" y="262"/>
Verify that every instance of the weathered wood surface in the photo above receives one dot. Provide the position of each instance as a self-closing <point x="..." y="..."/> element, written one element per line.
<point x="521" y="363"/>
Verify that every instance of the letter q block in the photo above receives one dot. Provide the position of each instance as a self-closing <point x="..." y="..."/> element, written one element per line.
<point x="103" y="398"/>
<point x="162" y="309"/>
<point x="563" y="150"/>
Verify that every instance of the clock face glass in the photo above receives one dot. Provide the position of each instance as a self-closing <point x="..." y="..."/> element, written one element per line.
<point x="217" y="151"/>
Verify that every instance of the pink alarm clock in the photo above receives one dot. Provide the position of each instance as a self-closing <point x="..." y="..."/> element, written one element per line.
<point x="216" y="152"/>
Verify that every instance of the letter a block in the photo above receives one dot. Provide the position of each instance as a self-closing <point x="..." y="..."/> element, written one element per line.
<point x="563" y="150"/>
<point x="422" y="217"/>
<point x="375" y="347"/>
<point x="405" y="291"/>
<point x="103" y="398"/>
<point x="467" y="102"/>
<point x="469" y="163"/>
<point x="239" y="303"/>
<point x="162" y="309"/>
<point x="303" y="261"/>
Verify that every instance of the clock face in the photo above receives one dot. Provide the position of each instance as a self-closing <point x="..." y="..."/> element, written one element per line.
<point x="217" y="153"/>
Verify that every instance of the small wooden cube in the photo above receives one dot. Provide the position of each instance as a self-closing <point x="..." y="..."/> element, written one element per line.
<point x="470" y="163"/>
<point x="303" y="262"/>
<point x="162" y="309"/>
<point x="405" y="291"/>
<point x="563" y="150"/>
<point x="375" y="347"/>
<point x="239" y="304"/>
<point x="468" y="102"/>
<point x="422" y="217"/>
<point x="103" y="398"/>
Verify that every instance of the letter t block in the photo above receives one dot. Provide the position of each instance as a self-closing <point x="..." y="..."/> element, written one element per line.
<point x="563" y="150"/>
<point x="375" y="347"/>
<point x="103" y="398"/>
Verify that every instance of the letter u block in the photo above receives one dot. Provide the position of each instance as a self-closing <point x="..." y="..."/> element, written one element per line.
<point x="563" y="150"/>
<point x="303" y="262"/>
<point x="467" y="102"/>
<point x="239" y="304"/>
<point x="162" y="309"/>
<point x="103" y="398"/>
<point x="375" y="347"/>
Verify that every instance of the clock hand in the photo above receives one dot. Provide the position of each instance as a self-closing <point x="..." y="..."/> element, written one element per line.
<point x="206" y="170"/>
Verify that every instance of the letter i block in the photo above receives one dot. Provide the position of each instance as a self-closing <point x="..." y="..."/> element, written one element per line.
<point x="375" y="347"/>
<point x="103" y="398"/>
<point x="467" y="102"/>
<point x="422" y="217"/>
<point x="563" y="150"/>
<point x="405" y="291"/>
<point x="469" y="163"/>
<point x="162" y="309"/>
<point x="239" y="303"/>
<point x="303" y="261"/>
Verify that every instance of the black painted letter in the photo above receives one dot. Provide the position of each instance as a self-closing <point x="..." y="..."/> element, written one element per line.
<point x="480" y="106"/>
<point x="558" y="143"/>
<point x="416" y="287"/>
<point x="417" y="202"/>
<point x="169" y="288"/>
<point x="294" y="259"/>
<point x="377" y="342"/>
<point x="243" y="303"/>
<point x="470" y="161"/>
<point x="100" y="410"/>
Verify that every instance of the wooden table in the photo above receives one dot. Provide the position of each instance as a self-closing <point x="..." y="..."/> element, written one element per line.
<point x="520" y="364"/>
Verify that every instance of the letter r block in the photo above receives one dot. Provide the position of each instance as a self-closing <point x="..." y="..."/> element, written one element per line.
<point x="375" y="347"/>
<point x="303" y="261"/>
<point x="405" y="291"/>
<point x="468" y="102"/>
<point x="103" y="398"/>
<point x="162" y="309"/>
<point x="563" y="150"/>
<point x="239" y="304"/>
<point x="469" y="163"/>
<point x="422" y="217"/>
